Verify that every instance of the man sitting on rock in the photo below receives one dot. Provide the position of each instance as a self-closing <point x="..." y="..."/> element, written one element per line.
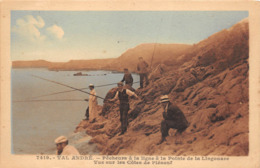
<point x="122" y="94"/>
<point x="173" y="118"/>
<point x="63" y="147"/>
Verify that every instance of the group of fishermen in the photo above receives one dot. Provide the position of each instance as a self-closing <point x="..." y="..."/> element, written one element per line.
<point x="173" y="117"/>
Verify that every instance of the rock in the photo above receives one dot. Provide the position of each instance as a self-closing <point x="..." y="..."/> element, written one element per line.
<point x="238" y="150"/>
<point x="209" y="83"/>
<point x="157" y="72"/>
<point x="108" y="105"/>
<point x="134" y="113"/>
<point x="184" y="82"/>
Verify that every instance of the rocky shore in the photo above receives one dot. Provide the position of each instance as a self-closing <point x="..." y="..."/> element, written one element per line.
<point x="210" y="85"/>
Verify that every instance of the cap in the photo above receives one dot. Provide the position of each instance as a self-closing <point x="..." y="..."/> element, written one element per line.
<point x="120" y="83"/>
<point x="164" y="98"/>
<point x="91" y="85"/>
<point x="61" y="139"/>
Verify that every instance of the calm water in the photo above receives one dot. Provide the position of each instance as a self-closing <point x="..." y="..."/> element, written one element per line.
<point x="35" y="125"/>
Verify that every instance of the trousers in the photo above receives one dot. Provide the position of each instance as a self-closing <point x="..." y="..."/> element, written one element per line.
<point x="143" y="76"/>
<point x="124" y="107"/>
<point x="167" y="124"/>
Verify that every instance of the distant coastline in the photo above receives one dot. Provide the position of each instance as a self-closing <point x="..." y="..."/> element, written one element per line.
<point x="164" y="53"/>
<point x="92" y="69"/>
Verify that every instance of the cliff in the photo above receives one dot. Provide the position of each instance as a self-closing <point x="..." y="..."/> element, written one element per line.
<point x="210" y="86"/>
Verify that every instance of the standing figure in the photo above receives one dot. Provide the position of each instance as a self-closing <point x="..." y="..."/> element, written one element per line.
<point x="143" y="69"/>
<point x="92" y="104"/>
<point x="128" y="79"/>
<point x="63" y="147"/>
<point x="123" y="96"/>
<point x="173" y="118"/>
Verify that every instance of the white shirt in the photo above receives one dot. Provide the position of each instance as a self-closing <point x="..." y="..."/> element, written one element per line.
<point x="92" y="96"/>
<point x="70" y="150"/>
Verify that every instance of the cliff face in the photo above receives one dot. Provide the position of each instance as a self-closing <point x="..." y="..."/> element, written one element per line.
<point x="210" y="86"/>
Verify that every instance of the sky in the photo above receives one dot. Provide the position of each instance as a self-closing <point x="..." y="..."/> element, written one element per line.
<point x="60" y="36"/>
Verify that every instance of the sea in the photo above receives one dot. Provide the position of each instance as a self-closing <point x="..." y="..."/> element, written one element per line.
<point x="45" y="106"/>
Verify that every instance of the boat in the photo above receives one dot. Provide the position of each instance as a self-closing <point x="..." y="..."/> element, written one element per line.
<point x="80" y="74"/>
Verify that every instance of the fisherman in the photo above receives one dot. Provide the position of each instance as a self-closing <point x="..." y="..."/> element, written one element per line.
<point x="92" y="105"/>
<point x="128" y="79"/>
<point x="142" y="69"/>
<point x="173" y="118"/>
<point x="63" y="147"/>
<point x="122" y="94"/>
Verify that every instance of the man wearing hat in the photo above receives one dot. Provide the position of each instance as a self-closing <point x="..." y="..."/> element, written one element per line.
<point x="63" y="148"/>
<point x="92" y="104"/>
<point x="173" y="118"/>
<point x="128" y="79"/>
<point x="123" y="96"/>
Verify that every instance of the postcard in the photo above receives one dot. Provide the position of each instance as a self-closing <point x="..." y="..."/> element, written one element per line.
<point x="130" y="84"/>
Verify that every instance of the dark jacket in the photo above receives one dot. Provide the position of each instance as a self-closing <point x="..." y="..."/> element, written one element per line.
<point x="128" y="79"/>
<point x="175" y="114"/>
<point x="123" y="97"/>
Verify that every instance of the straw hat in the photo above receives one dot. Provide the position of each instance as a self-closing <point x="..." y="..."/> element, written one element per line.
<point x="61" y="139"/>
<point x="164" y="98"/>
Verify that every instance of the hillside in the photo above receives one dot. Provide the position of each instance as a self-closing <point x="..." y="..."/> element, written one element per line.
<point x="96" y="64"/>
<point x="210" y="86"/>
<point x="129" y="59"/>
<point x="31" y="64"/>
<point x="152" y="53"/>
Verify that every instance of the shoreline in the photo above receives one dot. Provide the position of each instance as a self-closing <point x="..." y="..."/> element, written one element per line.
<point x="83" y="70"/>
<point x="64" y="69"/>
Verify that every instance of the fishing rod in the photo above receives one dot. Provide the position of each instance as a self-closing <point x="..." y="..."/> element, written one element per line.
<point x="66" y="91"/>
<point x="155" y="44"/>
<point x="66" y="86"/>
<point x="18" y="101"/>
<point x="113" y="84"/>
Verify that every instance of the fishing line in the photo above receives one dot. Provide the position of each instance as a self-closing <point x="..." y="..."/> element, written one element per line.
<point x="66" y="91"/>
<point x="113" y="84"/>
<point x="155" y="45"/>
<point x="67" y="86"/>
<point x="41" y="100"/>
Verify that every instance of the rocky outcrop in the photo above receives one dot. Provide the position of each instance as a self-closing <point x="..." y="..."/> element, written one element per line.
<point x="210" y="85"/>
